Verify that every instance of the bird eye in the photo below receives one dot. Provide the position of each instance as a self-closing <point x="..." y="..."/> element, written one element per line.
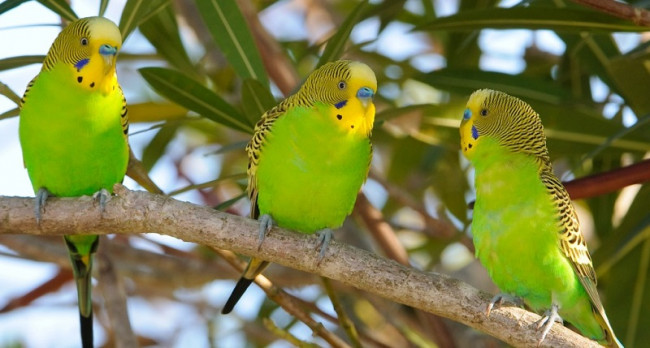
<point x="341" y="84"/>
<point x="84" y="41"/>
<point x="484" y="112"/>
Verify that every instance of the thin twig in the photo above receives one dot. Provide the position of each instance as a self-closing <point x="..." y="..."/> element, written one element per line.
<point x="114" y="298"/>
<point x="344" y="320"/>
<point x="607" y="182"/>
<point x="284" y="300"/>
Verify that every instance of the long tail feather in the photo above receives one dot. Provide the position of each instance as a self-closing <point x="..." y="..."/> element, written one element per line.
<point x="81" y="256"/>
<point x="255" y="267"/>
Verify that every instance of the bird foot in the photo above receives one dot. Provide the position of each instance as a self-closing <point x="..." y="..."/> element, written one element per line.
<point x="102" y="197"/>
<point x="499" y="299"/>
<point x="550" y="316"/>
<point x="266" y="223"/>
<point x="324" y="238"/>
<point x="39" y="205"/>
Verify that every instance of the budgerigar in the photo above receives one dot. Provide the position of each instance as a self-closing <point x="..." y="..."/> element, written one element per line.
<point x="73" y="128"/>
<point x="526" y="231"/>
<point x="309" y="156"/>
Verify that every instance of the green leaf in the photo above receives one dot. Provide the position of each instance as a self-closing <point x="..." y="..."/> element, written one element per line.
<point x="465" y="81"/>
<point x="7" y="92"/>
<point x="161" y="30"/>
<point x="9" y="4"/>
<point x="156" y="148"/>
<point x="9" y="114"/>
<point x="16" y="62"/>
<point x="61" y="8"/>
<point x="558" y="19"/>
<point x="231" y="33"/>
<point x="256" y="99"/>
<point x="186" y="92"/>
<point x="336" y="44"/>
<point x="103" y="4"/>
<point x="137" y="11"/>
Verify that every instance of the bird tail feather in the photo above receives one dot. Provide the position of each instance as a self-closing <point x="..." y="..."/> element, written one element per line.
<point x="255" y="267"/>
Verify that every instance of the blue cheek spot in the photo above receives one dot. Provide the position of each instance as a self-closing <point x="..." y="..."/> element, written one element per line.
<point x="80" y="64"/>
<point x="474" y="133"/>
<point x="467" y="114"/>
<point x="340" y="104"/>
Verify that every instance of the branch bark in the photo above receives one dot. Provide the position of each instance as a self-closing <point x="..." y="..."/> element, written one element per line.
<point x="141" y="212"/>
<point x="637" y="15"/>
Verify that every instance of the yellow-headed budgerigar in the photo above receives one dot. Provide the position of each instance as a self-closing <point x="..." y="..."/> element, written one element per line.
<point x="73" y="133"/>
<point x="309" y="156"/>
<point x="526" y="231"/>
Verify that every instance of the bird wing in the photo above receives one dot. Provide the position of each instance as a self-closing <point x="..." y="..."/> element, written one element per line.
<point x="254" y="149"/>
<point x="124" y="117"/>
<point x="571" y="241"/>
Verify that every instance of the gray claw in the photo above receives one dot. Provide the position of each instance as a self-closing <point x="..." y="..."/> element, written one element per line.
<point x="550" y="316"/>
<point x="324" y="238"/>
<point x="266" y="223"/>
<point x="39" y="206"/>
<point x="102" y="197"/>
<point x="498" y="300"/>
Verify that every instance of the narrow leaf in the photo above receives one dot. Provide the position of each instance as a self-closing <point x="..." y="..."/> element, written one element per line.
<point x="161" y="30"/>
<point x="155" y="112"/>
<point x="7" y="92"/>
<point x="137" y="11"/>
<point x="186" y="92"/>
<point x="156" y="148"/>
<point x="256" y="99"/>
<point x="9" y="4"/>
<point x="16" y="62"/>
<point x="61" y="8"/>
<point x="466" y="81"/>
<point x="102" y="7"/>
<point x="231" y="33"/>
<point x="9" y="114"/>
<point x="558" y="19"/>
<point x="336" y="44"/>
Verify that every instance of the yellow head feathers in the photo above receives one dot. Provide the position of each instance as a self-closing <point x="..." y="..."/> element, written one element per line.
<point x="347" y="86"/>
<point x="509" y="120"/>
<point x="87" y="47"/>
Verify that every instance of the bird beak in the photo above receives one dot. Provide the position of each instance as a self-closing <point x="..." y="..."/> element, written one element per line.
<point x="109" y="53"/>
<point x="365" y="94"/>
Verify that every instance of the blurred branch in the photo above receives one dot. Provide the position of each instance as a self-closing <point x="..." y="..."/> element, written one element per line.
<point x="435" y="227"/>
<point x="613" y="180"/>
<point x="285" y="301"/>
<point x="51" y="285"/>
<point x="114" y="298"/>
<point x="141" y="212"/>
<point x="637" y="15"/>
<point x="276" y="62"/>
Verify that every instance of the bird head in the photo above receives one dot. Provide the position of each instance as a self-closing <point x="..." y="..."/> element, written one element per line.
<point x="501" y="117"/>
<point x="349" y="87"/>
<point x="88" y="47"/>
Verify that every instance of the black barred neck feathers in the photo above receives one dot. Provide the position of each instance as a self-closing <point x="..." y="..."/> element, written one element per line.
<point x="348" y="87"/>
<point x="510" y="120"/>
<point x="88" y="48"/>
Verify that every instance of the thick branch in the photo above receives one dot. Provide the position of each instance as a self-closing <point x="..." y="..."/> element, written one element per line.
<point x="140" y="212"/>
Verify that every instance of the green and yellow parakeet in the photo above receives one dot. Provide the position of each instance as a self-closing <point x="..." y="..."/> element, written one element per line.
<point x="526" y="231"/>
<point x="309" y="156"/>
<point x="73" y="133"/>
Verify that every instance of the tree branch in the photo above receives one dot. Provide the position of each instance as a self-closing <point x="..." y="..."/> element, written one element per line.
<point x="141" y="212"/>
<point x="637" y="15"/>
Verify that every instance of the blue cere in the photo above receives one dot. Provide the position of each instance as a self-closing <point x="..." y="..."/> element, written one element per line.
<point x="467" y="114"/>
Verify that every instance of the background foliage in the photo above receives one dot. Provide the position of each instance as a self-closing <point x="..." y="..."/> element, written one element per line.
<point x="219" y="64"/>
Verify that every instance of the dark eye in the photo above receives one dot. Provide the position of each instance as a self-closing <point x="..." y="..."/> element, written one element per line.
<point x="342" y="85"/>
<point x="484" y="112"/>
<point x="84" y="41"/>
